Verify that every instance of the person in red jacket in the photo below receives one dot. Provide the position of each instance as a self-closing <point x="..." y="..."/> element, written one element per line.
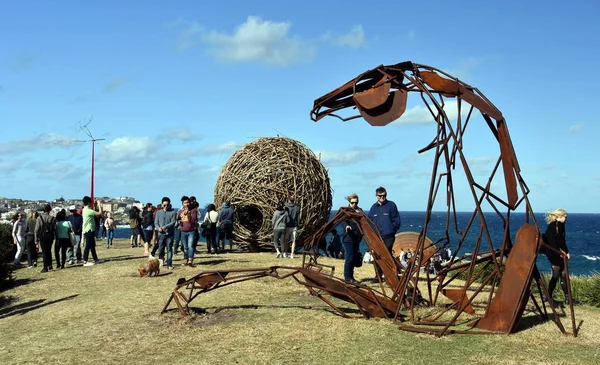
<point x="188" y="218"/>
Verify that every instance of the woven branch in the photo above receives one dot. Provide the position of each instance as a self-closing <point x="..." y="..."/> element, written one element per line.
<point x="265" y="172"/>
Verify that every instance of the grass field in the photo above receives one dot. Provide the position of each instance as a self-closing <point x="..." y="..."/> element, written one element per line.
<point x="106" y="314"/>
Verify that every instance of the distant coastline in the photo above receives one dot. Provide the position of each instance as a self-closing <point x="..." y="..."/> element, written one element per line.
<point x="118" y="206"/>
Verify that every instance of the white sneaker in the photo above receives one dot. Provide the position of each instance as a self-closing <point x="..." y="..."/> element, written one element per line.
<point x="160" y="262"/>
<point x="150" y="257"/>
<point x="291" y="256"/>
<point x="89" y="263"/>
<point x="71" y="262"/>
<point x="285" y="255"/>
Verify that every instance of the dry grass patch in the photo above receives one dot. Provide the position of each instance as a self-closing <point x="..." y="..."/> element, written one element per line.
<point x="105" y="314"/>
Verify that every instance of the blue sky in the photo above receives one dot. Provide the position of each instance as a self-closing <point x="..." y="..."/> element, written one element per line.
<point x="175" y="88"/>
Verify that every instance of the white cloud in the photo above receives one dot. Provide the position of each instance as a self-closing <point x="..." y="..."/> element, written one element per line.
<point x="57" y="171"/>
<point x="128" y="149"/>
<point x="12" y="164"/>
<point x="189" y="35"/>
<point x="480" y="161"/>
<point x="224" y="148"/>
<point x="576" y="128"/>
<point x="181" y="134"/>
<point x="331" y="158"/>
<point x="355" y="38"/>
<point x="420" y="114"/>
<point x="39" y="142"/>
<point x="258" y="40"/>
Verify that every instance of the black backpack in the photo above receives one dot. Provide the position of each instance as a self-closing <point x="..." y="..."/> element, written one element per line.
<point x="47" y="229"/>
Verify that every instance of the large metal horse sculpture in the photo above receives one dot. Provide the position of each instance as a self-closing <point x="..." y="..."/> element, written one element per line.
<point x="486" y="291"/>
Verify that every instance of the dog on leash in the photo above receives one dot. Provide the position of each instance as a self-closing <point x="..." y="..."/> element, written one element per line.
<point x="149" y="267"/>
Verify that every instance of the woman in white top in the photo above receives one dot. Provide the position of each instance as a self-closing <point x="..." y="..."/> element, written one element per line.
<point x="18" y="233"/>
<point x="210" y="232"/>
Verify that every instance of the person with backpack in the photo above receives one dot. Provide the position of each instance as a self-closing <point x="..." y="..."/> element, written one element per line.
<point x="45" y="231"/>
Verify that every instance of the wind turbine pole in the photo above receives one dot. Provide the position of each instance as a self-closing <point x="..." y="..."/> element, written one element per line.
<point x="92" y="183"/>
<point x="93" y="140"/>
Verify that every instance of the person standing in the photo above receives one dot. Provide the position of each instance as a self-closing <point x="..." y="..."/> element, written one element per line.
<point x="278" y="223"/>
<point x="134" y="222"/>
<point x="210" y="219"/>
<point x="45" y="231"/>
<point x="30" y="239"/>
<point x="76" y="221"/>
<point x="555" y="237"/>
<point x="188" y="218"/>
<point x="291" y="228"/>
<point x="384" y="214"/>
<point x="148" y="226"/>
<point x="89" y="229"/>
<point x="109" y="224"/>
<point x="225" y="224"/>
<point x="63" y="226"/>
<point x="351" y="241"/>
<point x="18" y="234"/>
<point x="165" y="223"/>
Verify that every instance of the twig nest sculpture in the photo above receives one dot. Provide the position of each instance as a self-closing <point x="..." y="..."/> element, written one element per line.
<point x="267" y="171"/>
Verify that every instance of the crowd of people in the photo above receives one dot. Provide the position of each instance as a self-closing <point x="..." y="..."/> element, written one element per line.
<point x="166" y="231"/>
<point x="72" y="237"/>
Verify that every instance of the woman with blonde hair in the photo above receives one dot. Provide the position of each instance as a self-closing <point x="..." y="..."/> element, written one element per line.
<point x="555" y="237"/>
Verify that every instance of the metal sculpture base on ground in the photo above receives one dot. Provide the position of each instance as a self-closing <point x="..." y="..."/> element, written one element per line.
<point x="496" y="278"/>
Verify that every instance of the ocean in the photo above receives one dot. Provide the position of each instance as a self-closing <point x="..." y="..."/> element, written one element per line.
<point x="583" y="235"/>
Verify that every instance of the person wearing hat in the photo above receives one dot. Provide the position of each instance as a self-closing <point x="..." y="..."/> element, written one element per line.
<point x="77" y="223"/>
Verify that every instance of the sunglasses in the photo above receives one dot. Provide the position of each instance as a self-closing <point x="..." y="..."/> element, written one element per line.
<point x="353" y="203"/>
<point x="381" y="195"/>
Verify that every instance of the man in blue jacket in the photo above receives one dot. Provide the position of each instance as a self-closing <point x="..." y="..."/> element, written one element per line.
<point x="384" y="214"/>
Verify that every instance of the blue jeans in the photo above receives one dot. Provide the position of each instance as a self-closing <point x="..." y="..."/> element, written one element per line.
<point x="187" y="243"/>
<point x="177" y="240"/>
<point x="350" y="252"/>
<point x="166" y="241"/>
<point x="109" y="237"/>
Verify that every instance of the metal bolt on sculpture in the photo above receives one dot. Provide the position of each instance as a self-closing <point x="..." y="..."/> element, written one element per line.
<point x="503" y="273"/>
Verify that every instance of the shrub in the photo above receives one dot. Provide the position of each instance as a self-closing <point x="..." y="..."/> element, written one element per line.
<point x="6" y="251"/>
<point x="584" y="288"/>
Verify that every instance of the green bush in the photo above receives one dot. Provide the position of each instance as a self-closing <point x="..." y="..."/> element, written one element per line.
<point x="584" y="288"/>
<point x="6" y="251"/>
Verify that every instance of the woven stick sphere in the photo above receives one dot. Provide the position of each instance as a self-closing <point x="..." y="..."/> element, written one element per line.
<point x="265" y="172"/>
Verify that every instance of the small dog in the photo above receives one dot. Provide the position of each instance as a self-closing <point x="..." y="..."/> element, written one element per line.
<point x="149" y="267"/>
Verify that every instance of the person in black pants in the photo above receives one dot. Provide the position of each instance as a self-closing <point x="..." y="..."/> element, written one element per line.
<point x="45" y="231"/>
<point x="30" y="239"/>
<point x="555" y="237"/>
<point x="351" y="241"/>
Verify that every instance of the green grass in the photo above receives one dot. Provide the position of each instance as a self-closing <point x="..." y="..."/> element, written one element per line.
<point x="105" y="314"/>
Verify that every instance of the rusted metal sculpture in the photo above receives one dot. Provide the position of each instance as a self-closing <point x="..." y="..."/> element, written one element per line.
<point x="502" y="273"/>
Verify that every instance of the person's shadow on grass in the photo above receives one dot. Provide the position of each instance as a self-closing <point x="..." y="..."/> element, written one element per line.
<point x="23" y="308"/>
